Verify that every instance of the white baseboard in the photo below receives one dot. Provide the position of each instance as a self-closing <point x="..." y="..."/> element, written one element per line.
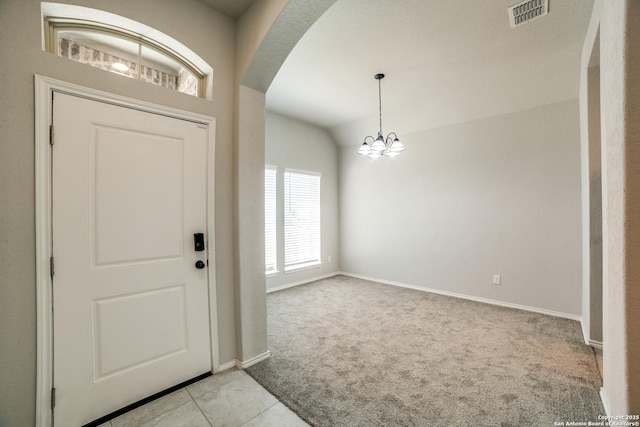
<point x="243" y="364"/>
<point x="605" y="401"/>
<point x="468" y="297"/>
<point x="585" y="331"/>
<point x="235" y="363"/>
<point x="595" y="344"/>
<point x="587" y="338"/>
<point x="226" y="366"/>
<point x="301" y="282"/>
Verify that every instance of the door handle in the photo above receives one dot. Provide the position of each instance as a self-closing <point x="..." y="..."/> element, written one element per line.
<point x="200" y="265"/>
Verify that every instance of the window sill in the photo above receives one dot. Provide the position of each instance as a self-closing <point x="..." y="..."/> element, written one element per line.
<point x="269" y="274"/>
<point x="302" y="267"/>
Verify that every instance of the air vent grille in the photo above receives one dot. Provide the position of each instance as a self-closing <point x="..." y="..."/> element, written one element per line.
<point x="526" y="11"/>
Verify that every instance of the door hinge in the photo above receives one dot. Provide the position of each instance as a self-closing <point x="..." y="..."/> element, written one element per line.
<point x="51" y="266"/>
<point x="53" y="398"/>
<point x="51" y="134"/>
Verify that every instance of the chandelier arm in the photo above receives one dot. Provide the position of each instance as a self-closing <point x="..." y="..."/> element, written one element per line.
<point x="369" y="136"/>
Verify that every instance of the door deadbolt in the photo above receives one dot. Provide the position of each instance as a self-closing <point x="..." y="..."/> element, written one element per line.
<point x="198" y="242"/>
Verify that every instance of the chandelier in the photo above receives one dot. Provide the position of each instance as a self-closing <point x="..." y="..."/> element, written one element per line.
<point x="380" y="146"/>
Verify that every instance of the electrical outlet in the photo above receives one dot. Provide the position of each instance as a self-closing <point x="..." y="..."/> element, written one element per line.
<point x="497" y="279"/>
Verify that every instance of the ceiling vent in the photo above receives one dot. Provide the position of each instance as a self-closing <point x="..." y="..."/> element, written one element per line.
<point x="526" y="11"/>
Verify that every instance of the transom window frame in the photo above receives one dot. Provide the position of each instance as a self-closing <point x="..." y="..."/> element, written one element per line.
<point x="55" y="24"/>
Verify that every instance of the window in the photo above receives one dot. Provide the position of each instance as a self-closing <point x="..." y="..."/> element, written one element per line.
<point x="301" y="219"/>
<point x="291" y="220"/>
<point x="271" y="257"/>
<point x="123" y="52"/>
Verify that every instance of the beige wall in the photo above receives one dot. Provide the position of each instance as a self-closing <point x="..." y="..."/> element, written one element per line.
<point x="612" y="53"/>
<point x="620" y="102"/>
<point x="251" y="318"/>
<point x="294" y="144"/>
<point x="210" y="35"/>
<point x="492" y="196"/>
<point x="253" y="27"/>
<point x="592" y="306"/>
<point x="591" y="168"/>
<point x="266" y="34"/>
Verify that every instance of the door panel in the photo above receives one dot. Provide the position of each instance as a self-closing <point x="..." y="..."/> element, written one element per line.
<point x="127" y="196"/>
<point x="132" y="330"/>
<point x="131" y="314"/>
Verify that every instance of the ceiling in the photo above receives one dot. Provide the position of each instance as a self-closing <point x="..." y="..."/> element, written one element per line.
<point x="231" y="8"/>
<point x="445" y="62"/>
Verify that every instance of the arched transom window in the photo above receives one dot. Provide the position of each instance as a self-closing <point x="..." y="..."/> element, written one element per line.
<point x="123" y="52"/>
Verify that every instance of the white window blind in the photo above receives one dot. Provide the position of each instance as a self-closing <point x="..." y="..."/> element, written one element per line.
<point x="271" y="257"/>
<point x="301" y="219"/>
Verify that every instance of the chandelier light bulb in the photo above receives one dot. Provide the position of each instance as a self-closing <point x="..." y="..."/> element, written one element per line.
<point x="364" y="150"/>
<point x="378" y="144"/>
<point x="397" y="146"/>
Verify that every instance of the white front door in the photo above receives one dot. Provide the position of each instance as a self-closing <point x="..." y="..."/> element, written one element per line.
<point x="131" y="313"/>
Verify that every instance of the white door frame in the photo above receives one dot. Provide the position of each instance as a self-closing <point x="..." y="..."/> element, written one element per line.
<point x="44" y="89"/>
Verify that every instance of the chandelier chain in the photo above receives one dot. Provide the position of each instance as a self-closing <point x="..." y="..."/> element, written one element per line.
<point x="380" y="103"/>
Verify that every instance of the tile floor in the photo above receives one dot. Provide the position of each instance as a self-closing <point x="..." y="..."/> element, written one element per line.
<point x="229" y="399"/>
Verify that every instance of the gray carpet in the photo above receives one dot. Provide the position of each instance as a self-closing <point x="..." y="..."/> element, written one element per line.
<point x="349" y="352"/>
